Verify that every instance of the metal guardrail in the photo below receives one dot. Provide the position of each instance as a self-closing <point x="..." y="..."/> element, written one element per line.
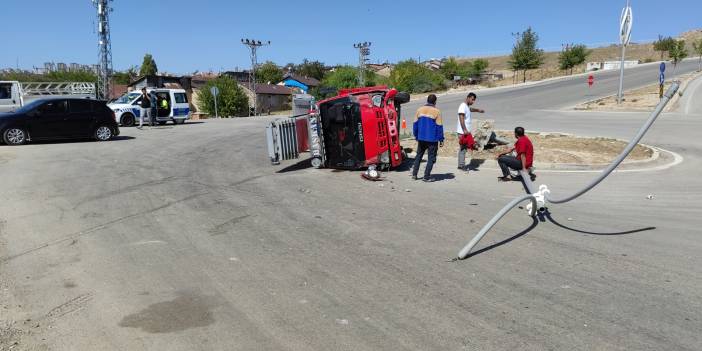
<point x="65" y="88"/>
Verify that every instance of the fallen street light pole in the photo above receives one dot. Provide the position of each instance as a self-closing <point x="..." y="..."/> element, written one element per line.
<point x="543" y="195"/>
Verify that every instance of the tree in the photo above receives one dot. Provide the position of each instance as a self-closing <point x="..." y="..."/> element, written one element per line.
<point x="525" y="54"/>
<point x="663" y="44"/>
<point x="413" y="77"/>
<point x="231" y="101"/>
<point x="341" y="77"/>
<point x="269" y="73"/>
<point x="125" y="77"/>
<point x="148" y="66"/>
<point x="480" y="66"/>
<point x="312" y="69"/>
<point x="451" y="68"/>
<point x="572" y="56"/>
<point x="697" y="49"/>
<point x="677" y="53"/>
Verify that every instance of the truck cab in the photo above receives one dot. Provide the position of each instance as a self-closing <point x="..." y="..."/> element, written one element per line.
<point x="356" y="129"/>
<point x="171" y="105"/>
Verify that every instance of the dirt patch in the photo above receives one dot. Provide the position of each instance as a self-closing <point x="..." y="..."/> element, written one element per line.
<point x="553" y="148"/>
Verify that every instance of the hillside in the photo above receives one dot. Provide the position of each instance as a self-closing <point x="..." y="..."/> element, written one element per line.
<point x="643" y="52"/>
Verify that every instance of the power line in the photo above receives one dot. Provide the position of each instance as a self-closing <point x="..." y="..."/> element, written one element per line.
<point x="253" y="46"/>
<point x="363" y="53"/>
<point x="104" y="47"/>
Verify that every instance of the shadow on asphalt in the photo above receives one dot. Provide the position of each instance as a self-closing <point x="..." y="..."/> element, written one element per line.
<point x="547" y="214"/>
<point x="506" y="241"/>
<point x="443" y="176"/>
<point x="78" y="141"/>
<point x="304" y="164"/>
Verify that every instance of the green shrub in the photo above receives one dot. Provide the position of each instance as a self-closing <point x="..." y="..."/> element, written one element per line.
<point x="231" y="101"/>
<point x="413" y="77"/>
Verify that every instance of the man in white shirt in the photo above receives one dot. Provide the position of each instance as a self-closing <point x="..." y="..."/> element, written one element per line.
<point x="463" y="128"/>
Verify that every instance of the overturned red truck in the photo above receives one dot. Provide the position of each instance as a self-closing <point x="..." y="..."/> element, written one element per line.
<point x="358" y="128"/>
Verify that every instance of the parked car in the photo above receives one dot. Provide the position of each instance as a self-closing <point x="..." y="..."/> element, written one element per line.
<point x="58" y="118"/>
<point x="177" y="109"/>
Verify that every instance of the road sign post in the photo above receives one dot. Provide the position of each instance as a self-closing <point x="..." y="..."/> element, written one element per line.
<point x="625" y="37"/>
<point x="661" y="80"/>
<point x="215" y="92"/>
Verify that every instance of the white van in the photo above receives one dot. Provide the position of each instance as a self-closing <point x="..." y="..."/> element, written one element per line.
<point x="172" y="106"/>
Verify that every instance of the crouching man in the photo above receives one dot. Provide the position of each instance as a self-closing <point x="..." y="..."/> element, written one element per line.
<point x="524" y="151"/>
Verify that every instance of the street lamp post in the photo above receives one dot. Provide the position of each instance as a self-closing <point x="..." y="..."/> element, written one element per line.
<point x="253" y="45"/>
<point x="625" y="37"/>
<point x="363" y="53"/>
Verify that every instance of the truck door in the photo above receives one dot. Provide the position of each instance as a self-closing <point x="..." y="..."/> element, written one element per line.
<point x="181" y="108"/>
<point x="9" y="96"/>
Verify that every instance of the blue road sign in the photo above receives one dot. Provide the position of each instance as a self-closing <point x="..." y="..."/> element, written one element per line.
<point x="662" y="67"/>
<point x="661" y="78"/>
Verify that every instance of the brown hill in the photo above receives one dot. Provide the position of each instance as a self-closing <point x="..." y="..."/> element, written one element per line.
<point x="642" y="52"/>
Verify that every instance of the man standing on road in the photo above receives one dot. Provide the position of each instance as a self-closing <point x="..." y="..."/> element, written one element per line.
<point x="463" y="129"/>
<point x="429" y="131"/>
<point x="524" y="159"/>
<point x="145" y="107"/>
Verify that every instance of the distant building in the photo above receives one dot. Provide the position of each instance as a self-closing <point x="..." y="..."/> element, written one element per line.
<point x="239" y="76"/>
<point x="434" y="64"/>
<point x="301" y="83"/>
<point x="61" y="67"/>
<point x="607" y="65"/>
<point x="381" y="69"/>
<point x="271" y="97"/>
<point x="157" y="81"/>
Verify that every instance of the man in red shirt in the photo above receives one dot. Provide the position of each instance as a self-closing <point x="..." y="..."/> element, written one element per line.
<point x="524" y="159"/>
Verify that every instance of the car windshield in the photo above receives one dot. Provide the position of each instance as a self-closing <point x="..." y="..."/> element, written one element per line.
<point x="127" y="98"/>
<point x="30" y="106"/>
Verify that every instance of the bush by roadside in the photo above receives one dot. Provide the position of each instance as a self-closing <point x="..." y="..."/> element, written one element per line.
<point x="231" y="101"/>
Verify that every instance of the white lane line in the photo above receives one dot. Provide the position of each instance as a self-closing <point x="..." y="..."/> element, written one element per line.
<point x="689" y="95"/>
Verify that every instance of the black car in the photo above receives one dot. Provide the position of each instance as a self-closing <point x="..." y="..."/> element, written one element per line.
<point x="58" y="118"/>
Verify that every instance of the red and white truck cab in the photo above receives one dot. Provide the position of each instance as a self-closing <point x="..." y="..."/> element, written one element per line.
<point x="358" y="128"/>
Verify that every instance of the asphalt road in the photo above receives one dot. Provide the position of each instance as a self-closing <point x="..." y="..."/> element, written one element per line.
<point x="512" y="103"/>
<point x="186" y="238"/>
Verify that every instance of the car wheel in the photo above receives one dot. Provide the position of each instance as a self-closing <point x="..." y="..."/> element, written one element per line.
<point x="103" y="133"/>
<point x="14" y="136"/>
<point x="128" y="120"/>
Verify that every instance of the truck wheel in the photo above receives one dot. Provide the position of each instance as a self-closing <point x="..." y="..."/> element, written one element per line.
<point x="103" y="133"/>
<point x="161" y="123"/>
<point x="14" y="136"/>
<point x="128" y="120"/>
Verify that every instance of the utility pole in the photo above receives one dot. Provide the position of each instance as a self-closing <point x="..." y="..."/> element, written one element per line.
<point x="363" y="53"/>
<point x="253" y="45"/>
<point x="104" y="47"/>
<point x="625" y="37"/>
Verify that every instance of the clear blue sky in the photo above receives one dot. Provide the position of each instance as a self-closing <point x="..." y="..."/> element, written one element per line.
<point x="193" y="35"/>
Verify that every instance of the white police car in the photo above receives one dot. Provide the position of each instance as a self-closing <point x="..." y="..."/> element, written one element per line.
<point x="172" y="105"/>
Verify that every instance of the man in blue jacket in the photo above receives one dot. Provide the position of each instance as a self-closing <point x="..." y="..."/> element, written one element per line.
<point x="429" y="131"/>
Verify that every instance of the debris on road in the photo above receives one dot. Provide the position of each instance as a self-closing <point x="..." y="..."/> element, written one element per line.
<point x="650" y="196"/>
